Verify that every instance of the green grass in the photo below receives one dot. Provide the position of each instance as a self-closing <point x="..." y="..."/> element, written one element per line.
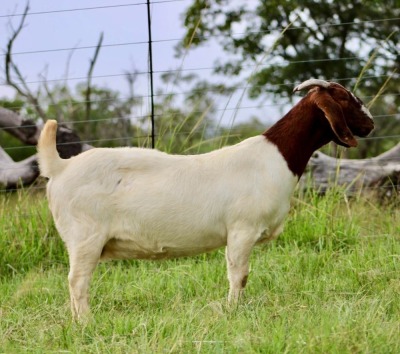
<point x="329" y="284"/>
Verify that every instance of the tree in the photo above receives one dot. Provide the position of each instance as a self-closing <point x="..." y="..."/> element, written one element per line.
<point x="192" y="127"/>
<point x="323" y="39"/>
<point x="101" y="117"/>
<point x="285" y="42"/>
<point x="110" y="121"/>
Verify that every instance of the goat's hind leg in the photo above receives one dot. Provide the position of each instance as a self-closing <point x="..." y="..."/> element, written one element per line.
<point x="83" y="259"/>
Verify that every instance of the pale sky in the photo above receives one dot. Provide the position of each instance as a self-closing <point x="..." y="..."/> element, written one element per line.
<point x="121" y="25"/>
<point x="125" y="24"/>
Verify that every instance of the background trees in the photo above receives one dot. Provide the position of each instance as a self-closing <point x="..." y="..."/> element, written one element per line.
<point x="355" y="42"/>
<point x="266" y="48"/>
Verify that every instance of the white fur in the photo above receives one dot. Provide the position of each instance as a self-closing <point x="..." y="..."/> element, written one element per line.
<point x="363" y="108"/>
<point x="139" y="203"/>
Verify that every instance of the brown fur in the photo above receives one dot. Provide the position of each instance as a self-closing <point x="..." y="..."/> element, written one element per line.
<point x="324" y="115"/>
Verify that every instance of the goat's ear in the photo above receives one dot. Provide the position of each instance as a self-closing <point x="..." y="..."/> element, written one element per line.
<point x="334" y="114"/>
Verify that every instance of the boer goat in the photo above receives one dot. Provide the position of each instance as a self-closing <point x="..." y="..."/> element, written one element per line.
<point x="120" y="203"/>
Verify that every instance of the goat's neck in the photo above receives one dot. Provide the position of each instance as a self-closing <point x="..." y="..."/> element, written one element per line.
<point x="303" y="130"/>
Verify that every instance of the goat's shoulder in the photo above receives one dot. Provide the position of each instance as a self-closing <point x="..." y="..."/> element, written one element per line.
<point x="257" y="150"/>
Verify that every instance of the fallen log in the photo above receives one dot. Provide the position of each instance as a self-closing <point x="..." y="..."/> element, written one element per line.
<point x="16" y="174"/>
<point x="23" y="129"/>
<point x="325" y="171"/>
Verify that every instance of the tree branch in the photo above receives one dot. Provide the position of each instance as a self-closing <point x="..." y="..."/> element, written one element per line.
<point x="9" y="64"/>
<point x="90" y="73"/>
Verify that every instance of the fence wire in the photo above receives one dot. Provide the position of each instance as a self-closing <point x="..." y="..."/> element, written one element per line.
<point x="133" y="118"/>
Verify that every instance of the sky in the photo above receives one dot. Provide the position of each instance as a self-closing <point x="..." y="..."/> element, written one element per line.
<point x="123" y="26"/>
<point x="54" y="26"/>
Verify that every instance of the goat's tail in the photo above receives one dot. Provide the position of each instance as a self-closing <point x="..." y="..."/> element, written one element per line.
<point x="50" y="162"/>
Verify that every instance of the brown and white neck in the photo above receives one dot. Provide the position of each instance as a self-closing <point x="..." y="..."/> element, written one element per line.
<point x="298" y="134"/>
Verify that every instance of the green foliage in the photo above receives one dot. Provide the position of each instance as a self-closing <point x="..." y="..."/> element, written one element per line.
<point x="13" y="105"/>
<point x="329" y="284"/>
<point x="192" y="128"/>
<point x="347" y="40"/>
<point x="14" y="148"/>
<point x="115" y="121"/>
<point x="314" y="45"/>
<point x="312" y="37"/>
<point x="106" y="123"/>
<point x="241" y="131"/>
<point x="29" y="240"/>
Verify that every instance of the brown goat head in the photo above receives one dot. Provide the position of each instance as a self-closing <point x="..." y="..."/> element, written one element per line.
<point x="345" y="112"/>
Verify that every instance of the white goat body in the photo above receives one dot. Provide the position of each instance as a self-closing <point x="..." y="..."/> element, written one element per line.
<point x="140" y="203"/>
<point x="147" y="204"/>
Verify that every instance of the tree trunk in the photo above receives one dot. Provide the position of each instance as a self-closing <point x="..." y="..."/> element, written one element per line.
<point x="23" y="129"/>
<point x="15" y="174"/>
<point x="382" y="170"/>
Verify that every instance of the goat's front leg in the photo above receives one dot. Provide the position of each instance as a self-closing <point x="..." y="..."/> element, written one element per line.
<point x="237" y="254"/>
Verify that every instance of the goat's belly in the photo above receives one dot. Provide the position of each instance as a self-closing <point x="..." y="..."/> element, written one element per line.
<point x="158" y="237"/>
<point x="142" y="242"/>
<point x="128" y="249"/>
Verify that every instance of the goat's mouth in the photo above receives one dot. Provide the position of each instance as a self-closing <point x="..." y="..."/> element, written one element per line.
<point x="365" y="130"/>
<point x="368" y="132"/>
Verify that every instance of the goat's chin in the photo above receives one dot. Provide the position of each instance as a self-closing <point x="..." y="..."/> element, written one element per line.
<point x="341" y="143"/>
<point x="364" y="134"/>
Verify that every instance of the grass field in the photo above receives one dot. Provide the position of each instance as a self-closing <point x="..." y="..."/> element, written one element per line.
<point x="329" y="284"/>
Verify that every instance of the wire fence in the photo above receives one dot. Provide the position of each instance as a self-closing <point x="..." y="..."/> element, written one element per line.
<point x="89" y="8"/>
<point x="24" y="56"/>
